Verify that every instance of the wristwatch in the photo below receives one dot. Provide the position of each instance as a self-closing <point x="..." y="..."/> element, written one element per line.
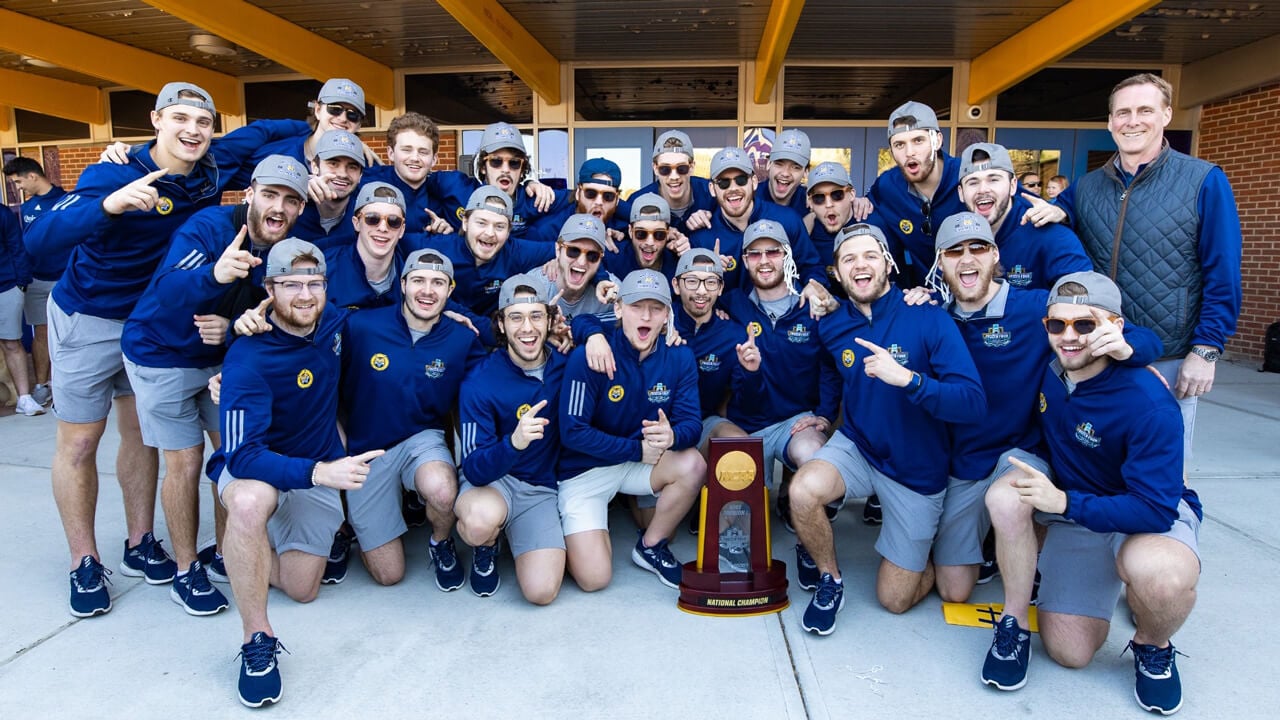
<point x="1209" y="354"/>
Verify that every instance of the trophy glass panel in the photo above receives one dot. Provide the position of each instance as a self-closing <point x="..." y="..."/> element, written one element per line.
<point x="735" y="537"/>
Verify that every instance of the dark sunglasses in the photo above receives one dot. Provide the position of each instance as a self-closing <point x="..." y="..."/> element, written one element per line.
<point x="591" y="193"/>
<point x="373" y="219"/>
<point x="1082" y="326"/>
<point x="354" y="116"/>
<point x="976" y="249"/>
<point x="821" y="198"/>
<point x="514" y="163"/>
<point x="573" y="252"/>
<point x="642" y="234"/>
<point x="665" y="170"/>
<point x="1031" y="184"/>
<point x="739" y="180"/>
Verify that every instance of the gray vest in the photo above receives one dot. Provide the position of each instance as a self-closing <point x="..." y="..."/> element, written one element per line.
<point x="1157" y="265"/>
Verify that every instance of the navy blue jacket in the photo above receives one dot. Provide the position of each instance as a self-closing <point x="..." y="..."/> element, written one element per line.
<point x="49" y="266"/>
<point x="714" y="346"/>
<point x="901" y="214"/>
<point x="450" y="190"/>
<point x="546" y="228"/>
<point x="808" y="263"/>
<point x="348" y="285"/>
<point x="417" y="200"/>
<point x="309" y="228"/>
<point x="799" y="201"/>
<point x="1035" y="257"/>
<point x="477" y="285"/>
<point x="15" y="270"/>
<point x="700" y="191"/>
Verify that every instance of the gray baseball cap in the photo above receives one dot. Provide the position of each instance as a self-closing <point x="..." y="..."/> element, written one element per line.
<point x="492" y="199"/>
<point x="997" y="158"/>
<point x="582" y="226"/>
<point x="699" y="256"/>
<point x="645" y="285"/>
<point x="340" y="143"/>
<point x="501" y="135"/>
<point x="169" y="95"/>
<point x="859" y="230"/>
<point x="791" y="145"/>
<point x="764" y="230"/>
<point x="1100" y="292"/>
<point x="427" y="259"/>
<point x="650" y="206"/>
<point x="730" y="158"/>
<point x="507" y="294"/>
<point x="829" y="172"/>
<point x="285" y="253"/>
<point x="912" y="116"/>
<point x="673" y="141"/>
<point x="342" y="90"/>
<point x="284" y="171"/>
<point x="961" y="228"/>
<point x="379" y="192"/>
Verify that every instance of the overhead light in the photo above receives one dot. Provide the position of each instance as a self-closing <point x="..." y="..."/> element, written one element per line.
<point x="37" y="62"/>
<point x="211" y="44"/>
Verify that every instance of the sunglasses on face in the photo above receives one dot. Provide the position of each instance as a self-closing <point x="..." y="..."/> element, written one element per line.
<point x="514" y="163"/>
<point x="665" y="170"/>
<point x="591" y="194"/>
<point x="771" y="253"/>
<point x="354" y="116"/>
<point x="739" y="180"/>
<point x="821" y="198"/>
<point x="976" y="249"/>
<point x="1030" y="184"/>
<point x="593" y="256"/>
<point x="642" y="234"/>
<point x="373" y="219"/>
<point x="1082" y="326"/>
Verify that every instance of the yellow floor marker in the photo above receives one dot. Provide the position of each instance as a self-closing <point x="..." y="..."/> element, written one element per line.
<point x="980" y="615"/>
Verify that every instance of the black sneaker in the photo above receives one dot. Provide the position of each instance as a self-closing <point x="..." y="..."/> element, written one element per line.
<point x="413" y="509"/>
<point x="987" y="571"/>
<point x="149" y="561"/>
<point x="335" y="570"/>
<point x="872" y="514"/>
<point x="659" y="561"/>
<point x="832" y="512"/>
<point x="1035" y="591"/>
<point x="89" y="594"/>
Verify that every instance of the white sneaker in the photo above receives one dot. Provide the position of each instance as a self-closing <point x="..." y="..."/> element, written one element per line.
<point x="27" y="406"/>
<point x="42" y="394"/>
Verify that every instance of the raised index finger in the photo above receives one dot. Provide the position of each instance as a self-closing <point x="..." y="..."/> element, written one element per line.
<point x="1035" y="199"/>
<point x="151" y="177"/>
<point x="869" y="345"/>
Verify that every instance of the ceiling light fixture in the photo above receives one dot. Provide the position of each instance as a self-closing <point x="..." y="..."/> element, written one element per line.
<point x="37" y="62"/>
<point x="211" y="44"/>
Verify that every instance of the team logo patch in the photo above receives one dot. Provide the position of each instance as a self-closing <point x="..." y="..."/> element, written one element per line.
<point x="615" y="393"/>
<point x="305" y="378"/>
<point x="461" y="211"/>
<point x="902" y="356"/>
<point x="1044" y="404"/>
<point x="164" y="206"/>
<point x="798" y="333"/>
<point x="733" y="264"/>
<point x="520" y="411"/>
<point x="435" y="369"/>
<point x="847" y="357"/>
<point x="905" y="226"/>
<point x="996" y="337"/>
<point x="710" y="363"/>
<point x="493" y="287"/>
<point x="1086" y="436"/>
<point x="379" y="362"/>
<point x="659" y="393"/>
<point x="1019" y="276"/>
<point x="755" y="329"/>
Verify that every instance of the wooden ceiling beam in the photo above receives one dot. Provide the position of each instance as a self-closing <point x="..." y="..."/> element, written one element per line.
<point x="778" y="30"/>
<point x="511" y="43"/>
<point x="59" y="98"/>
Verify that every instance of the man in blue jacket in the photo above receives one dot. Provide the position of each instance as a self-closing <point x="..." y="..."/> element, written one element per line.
<point x="688" y="195"/>
<point x="1118" y="512"/>
<point x="15" y="277"/>
<point x="337" y="169"/>
<point x="598" y="194"/>
<point x="788" y="162"/>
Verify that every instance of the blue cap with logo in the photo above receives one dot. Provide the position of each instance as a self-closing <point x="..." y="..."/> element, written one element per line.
<point x="600" y="166"/>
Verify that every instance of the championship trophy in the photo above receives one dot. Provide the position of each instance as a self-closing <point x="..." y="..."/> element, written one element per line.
<point x="735" y="573"/>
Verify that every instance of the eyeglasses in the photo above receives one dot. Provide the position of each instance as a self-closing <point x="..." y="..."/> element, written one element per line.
<point x="1082" y="326"/>
<point x="496" y="163"/>
<point x="739" y="180"/>
<point x="771" y="253"/>
<point x="354" y="116"/>
<point x="821" y="198"/>
<point x="373" y="219"/>
<point x="573" y="252"/>
<point x="591" y="193"/>
<point x="976" y="249"/>
<point x="691" y="283"/>
<point x="642" y="234"/>
<point x="1031" y="184"/>
<point x="665" y="170"/>
<point x="294" y="287"/>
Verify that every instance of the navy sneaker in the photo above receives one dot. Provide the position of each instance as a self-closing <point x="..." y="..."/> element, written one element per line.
<point x="260" y="682"/>
<point x="807" y="575"/>
<point x="196" y="594"/>
<point x="335" y="570"/>
<point x="872" y="513"/>
<point x="659" y="561"/>
<point x="820" y="616"/>
<point x="149" y="561"/>
<point x="1157" y="687"/>
<point x="1006" y="663"/>
<point x="444" y="556"/>
<point x="89" y="594"/>
<point x="484" y="570"/>
<point x="987" y="571"/>
<point x="413" y="509"/>
<point x="213" y="564"/>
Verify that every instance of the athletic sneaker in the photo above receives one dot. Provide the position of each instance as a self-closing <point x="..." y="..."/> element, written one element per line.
<point x="1006" y="663"/>
<point x="872" y="513"/>
<point x="820" y="616"/>
<point x="42" y="394"/>
<point x="149" y="561"/>
<point x="807" y="575"/>
<point x="987" y="571"/>
<point x="260" y="682"/>
<point x="89" y="594"/>
<point x="335" y="569"/>
<point x="659" y="561"/>
<point x="1035" y="590"/>
<point x="28" y="406"/>
<point x="783" y="508"/>
<point x="413" y="509"/>
<point x="213" y="564"/>
<point x="1157" y="686"/>
<point x="832" y="512"/>
<point x="196" y="594"/>
<point x="444" y="556"/>
<point x="484" y="570"/>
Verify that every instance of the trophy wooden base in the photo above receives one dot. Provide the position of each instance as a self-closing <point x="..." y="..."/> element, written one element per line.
<point x="734" y="594"/>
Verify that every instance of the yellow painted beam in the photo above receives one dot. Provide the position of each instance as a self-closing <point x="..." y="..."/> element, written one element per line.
<point x="293" y="46"/>
<point x="507" y="39"/>
<point x="110" y="60"/>
<point x="1046" y="41"/>
<point x="52" y="97"/>
<point x="6" y="118"/>
<point x="778" y="29"/>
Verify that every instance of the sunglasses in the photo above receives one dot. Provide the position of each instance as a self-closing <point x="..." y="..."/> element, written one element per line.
<point x="591" y="194"/>
<point x="1082" y="326"/>
<point x="665" y="170"/>
<point x="976" y="249"/>
<point x="354" y="116"/>
<point x="373" y="219"/>
<point x="642" y="234"/>
<point x="593" y="256"/>
<point x="771" y="253"/>
<point x="821" y="198"/>
<point x="1031" y="184"/>
<point x="514" y="163"/>
<point x="739" y="180"/>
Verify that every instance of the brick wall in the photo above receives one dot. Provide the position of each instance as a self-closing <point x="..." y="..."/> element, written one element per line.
<point x="1242" y="135"/>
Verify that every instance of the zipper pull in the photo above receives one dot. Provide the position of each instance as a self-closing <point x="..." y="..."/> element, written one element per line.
<point x="1124" y="195"/>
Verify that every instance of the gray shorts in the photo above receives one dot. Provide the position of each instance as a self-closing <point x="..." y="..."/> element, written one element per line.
<point x="709" y="423"/>
<point x="584" y="498"/>
<point x="11" y="302"/>
<point x="964" y="522"/>
<point x="777" y="437"/>
<point x="375" y="508"/>
<point x="37" y="301"/>
<point x="85" y="353"/>
<point x="174" y="405"/>
<point x="533" y="514"/>
<point x="1169" y="370"/>
<point x="304" y="520"/>
<point x="910" y="519"/>
<point x="1078" y="565"/>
